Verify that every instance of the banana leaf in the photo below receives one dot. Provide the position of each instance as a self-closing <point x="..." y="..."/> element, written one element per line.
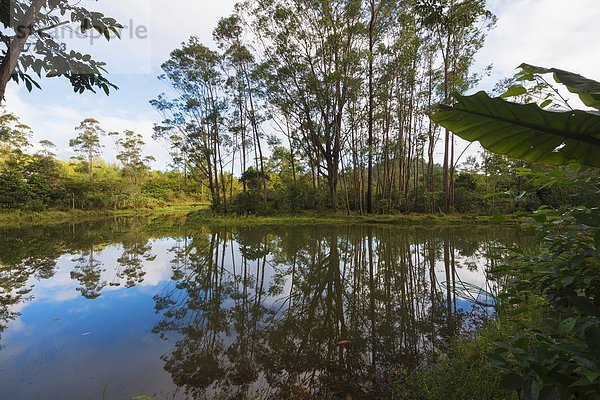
<point x="524" y="131"/>
<point x="587" y="89"/>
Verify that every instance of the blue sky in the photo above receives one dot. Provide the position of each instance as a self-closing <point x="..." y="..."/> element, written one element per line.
<point x="544" y="32"/>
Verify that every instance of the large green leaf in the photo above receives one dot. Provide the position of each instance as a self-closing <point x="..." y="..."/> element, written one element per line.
<point x="525" y="131"/>
<point x="588" y="90"/>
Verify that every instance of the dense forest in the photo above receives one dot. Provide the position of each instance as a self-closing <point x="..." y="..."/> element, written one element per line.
<point x="37" y="180"/>
<point x="302" y="106"/>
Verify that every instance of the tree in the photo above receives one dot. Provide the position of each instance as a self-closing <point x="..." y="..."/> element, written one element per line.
<point x="31" y="48"/>
<point x="14" y="135"/>
<point x="240" y="60"/>
<point x="196" y="114"/>
<point x="454" y="26"/>
<point x="373" y="11"/>
<point x="130" y="145"/>
<point x="312" y="59"/>
<point x="87" y="142"/>
<point x="48" y="148"/>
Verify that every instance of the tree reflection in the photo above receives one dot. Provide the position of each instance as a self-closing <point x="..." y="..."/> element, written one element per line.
<point x="30" y="254"/>
<point x="23" y="255"/>
<point x="131" y="263"/>
<point x="328" y="311"/>
<point x="88" y="272"/>
<point x="322" y="311"/>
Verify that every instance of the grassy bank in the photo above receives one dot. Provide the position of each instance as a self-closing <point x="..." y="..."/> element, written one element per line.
<point x="201" y="215"/>
<point x="463" y="371"/>
<point x="59" y="217"/>
<point x="205" y="217"/>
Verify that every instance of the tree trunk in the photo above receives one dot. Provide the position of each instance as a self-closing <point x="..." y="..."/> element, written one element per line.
<point x="91" y="162"/>
<point x="257" y="141"/>
<point x="371" y="105"/>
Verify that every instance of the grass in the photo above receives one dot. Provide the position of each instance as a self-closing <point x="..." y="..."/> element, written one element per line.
<point x="462" y="374"/>
<point x="18" y="218"/>
<point x="463" y="371"/>
<point x="206" y="217"/>
<point x="200" y="214"/>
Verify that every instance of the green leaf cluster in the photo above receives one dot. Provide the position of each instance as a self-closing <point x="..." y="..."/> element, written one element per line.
<point x="557" y="354"/>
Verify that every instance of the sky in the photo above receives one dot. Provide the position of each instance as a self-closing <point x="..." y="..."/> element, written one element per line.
<point x="551" y="33"/>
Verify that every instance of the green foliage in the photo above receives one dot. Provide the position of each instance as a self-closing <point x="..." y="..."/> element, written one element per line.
<point x="558" y="354"/>
<point x="37" y="182"/>
<point x="588" y="90"/>
<point x="247" y="203"/>
<point x="525" y="131"/>
<point x="13" y="191"/>
<point x="87" y="143"/>
<point x="468" y="197"/>
<point x="461" y="374"/>
<point x="135" y="164"/>
<point x="47" y="55"/>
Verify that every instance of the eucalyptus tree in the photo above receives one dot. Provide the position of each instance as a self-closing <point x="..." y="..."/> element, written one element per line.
<point x="30" y="47"/>
<point x="457" y="28"/>
<point x="396" y="75"/>
<point x="14" y="135"/>
<point x="48" y="148"/>
<point x="379" y="20"/>
<point x="87" y="143"/>
<point x="312" y="52"/>
<point x="228" y="35"/>
<point x="196" y="114"/>
<point x="130" y="146"/>
<point x="240" y="67"/>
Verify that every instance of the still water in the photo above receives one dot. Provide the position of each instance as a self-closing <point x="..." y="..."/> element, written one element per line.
<point x="128" y="307"/>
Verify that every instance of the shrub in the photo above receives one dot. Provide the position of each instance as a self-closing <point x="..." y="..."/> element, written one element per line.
<point x="246" y="203"/>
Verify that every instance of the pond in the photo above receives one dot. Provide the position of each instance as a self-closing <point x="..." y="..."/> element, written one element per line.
<point x="124" y="307"/>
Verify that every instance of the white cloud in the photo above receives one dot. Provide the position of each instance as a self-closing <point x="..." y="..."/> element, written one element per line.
<point x="551" y="33"/>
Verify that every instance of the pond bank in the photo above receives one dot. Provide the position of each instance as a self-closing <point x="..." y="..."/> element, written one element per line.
<point x="200" y="215"/>
<point x="206" y="217"/>
<point x="18" y="218"/>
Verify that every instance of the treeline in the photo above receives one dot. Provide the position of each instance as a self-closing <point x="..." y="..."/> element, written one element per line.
<point x="338" y="91"/>
<point x="38" y="181"/>
<point x="305" y="105"/>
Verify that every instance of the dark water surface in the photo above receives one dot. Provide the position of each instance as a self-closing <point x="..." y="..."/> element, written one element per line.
<point x="120" y="308"/>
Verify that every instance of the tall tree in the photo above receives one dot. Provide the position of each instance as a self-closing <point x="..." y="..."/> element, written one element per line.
<point x="312" y="51"/>
<point x="87" y="143"/>
<point x="197" y="113"/>
<point x="240" y="61"/>
<point x="458" y="29"/>
<point x="14" y="135"/>
<point x="130" y="146"/>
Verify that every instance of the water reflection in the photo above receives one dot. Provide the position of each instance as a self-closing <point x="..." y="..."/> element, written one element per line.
<point x="322" y="310"/>
<point x="325" y="311"/>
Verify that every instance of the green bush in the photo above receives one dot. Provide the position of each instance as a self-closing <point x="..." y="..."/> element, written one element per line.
<point x="36" y="205"/>
<point x="247" y="203"/>
<point x="461" y="374"/>
<point x="14" y="192"/>
<point x="557" y="355"/>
